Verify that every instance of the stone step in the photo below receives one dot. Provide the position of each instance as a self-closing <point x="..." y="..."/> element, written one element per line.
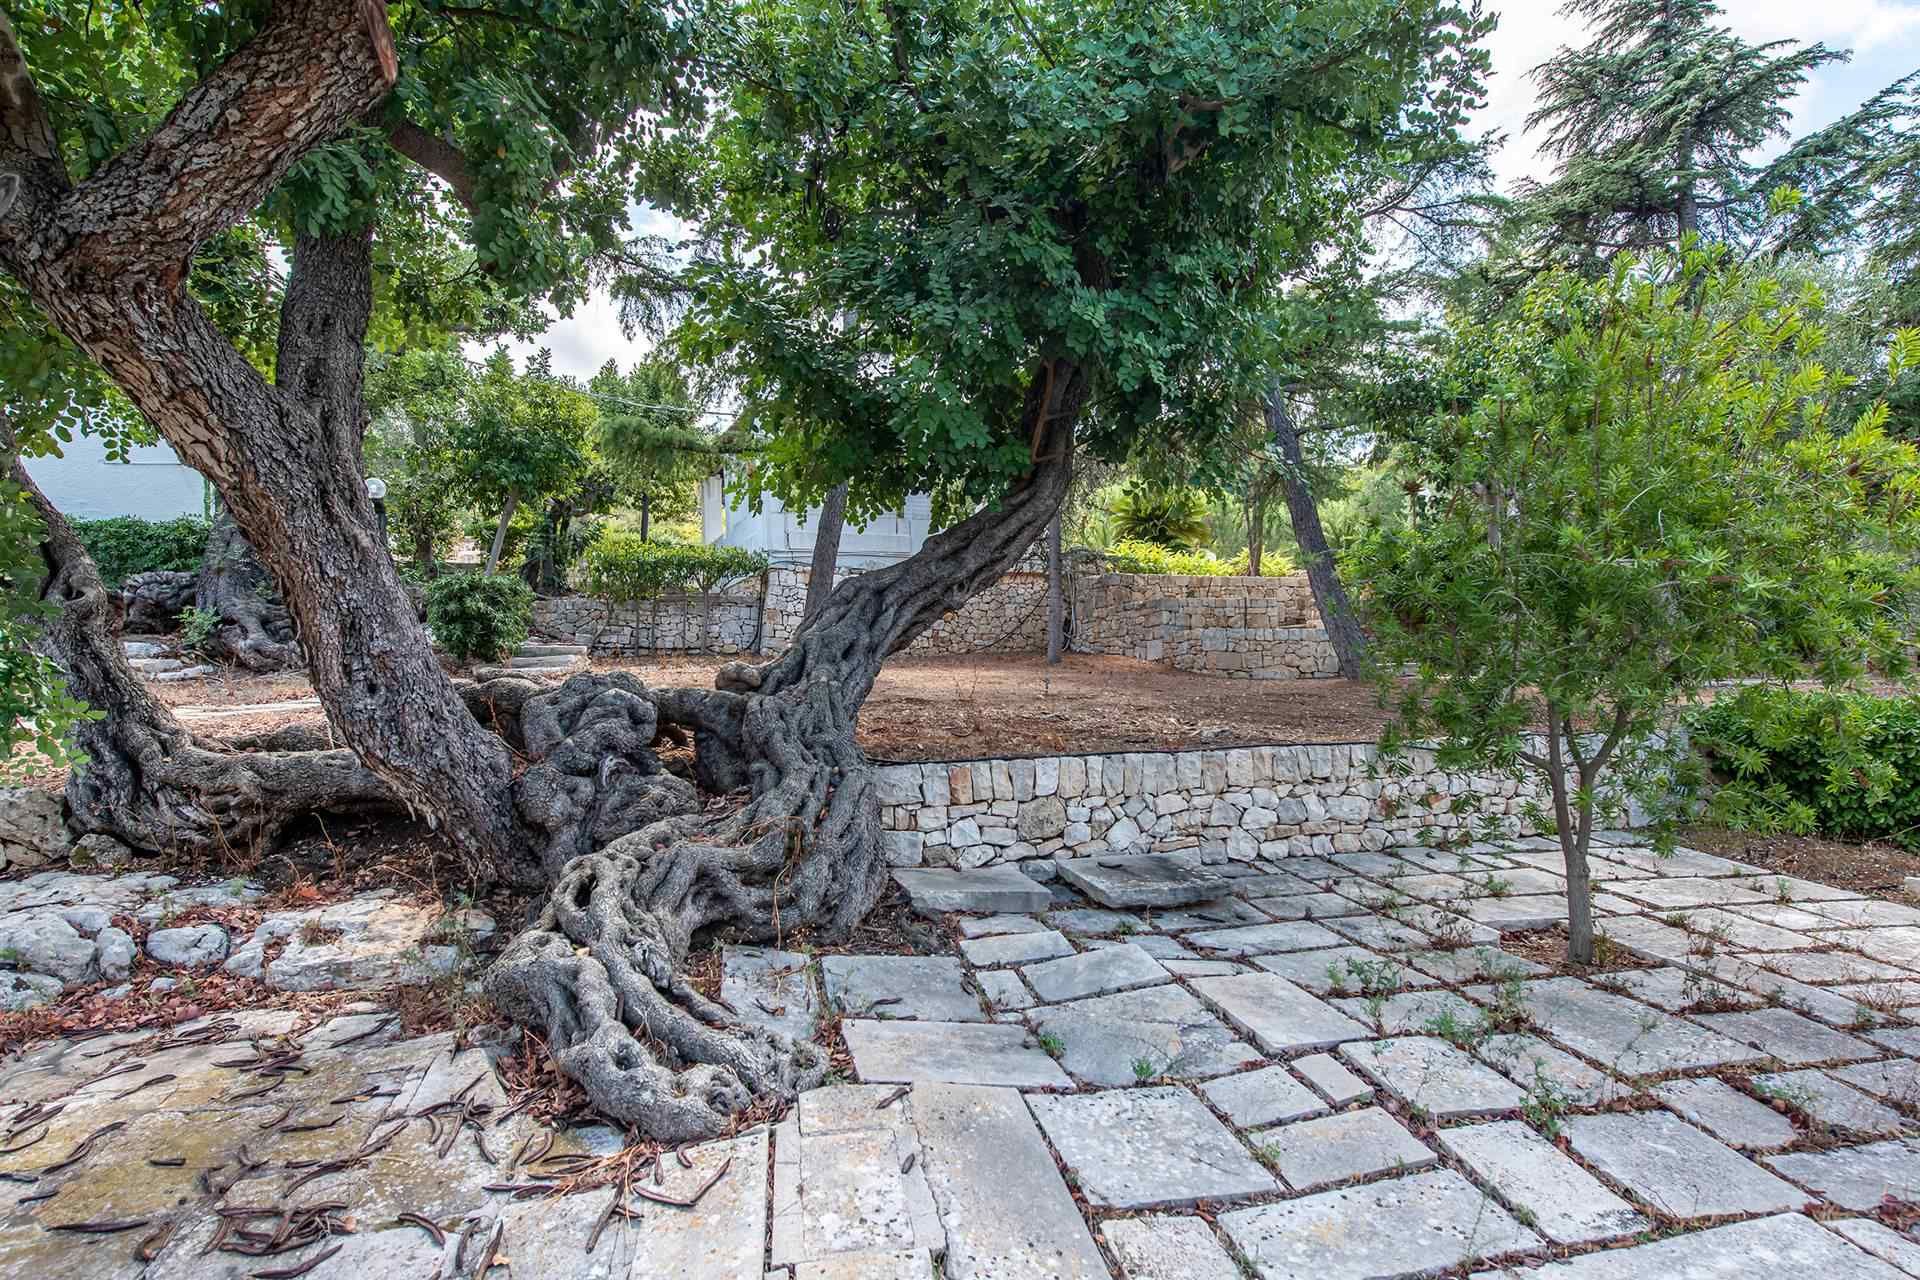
<point x="542" y="649"/>
<point x="934" y="890"/>
<point x="184" y="673"/>
<point x="546" y="662"/>
<point x="1143" y="880"/>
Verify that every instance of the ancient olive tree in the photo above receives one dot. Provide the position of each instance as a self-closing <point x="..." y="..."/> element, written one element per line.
<point x="1650" y="492"/>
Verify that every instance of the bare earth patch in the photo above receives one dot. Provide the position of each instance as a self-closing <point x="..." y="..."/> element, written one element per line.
<point x="1869" y="867"/>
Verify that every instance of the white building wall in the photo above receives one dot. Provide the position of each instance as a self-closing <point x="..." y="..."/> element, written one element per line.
<point x="787" y="537"/>
<point x="154" y="485"/>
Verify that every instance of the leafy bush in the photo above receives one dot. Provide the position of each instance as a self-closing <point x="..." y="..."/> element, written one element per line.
<point x="125" y="545"/>
<point x="1836" y="764"/>
<point x="475" y="615"/>
<point x="197" y="626"/>
<point x="1128" y="556"/>
<point x="1174" y="518"/>
<point x="622" y="568"/>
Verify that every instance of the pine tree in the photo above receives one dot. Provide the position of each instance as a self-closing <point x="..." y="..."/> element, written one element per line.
<point x="1653" y="126"/>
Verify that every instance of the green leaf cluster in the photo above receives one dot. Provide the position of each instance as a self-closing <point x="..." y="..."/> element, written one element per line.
<point x="1129" y="556"/>
<point x="122" y="546"/>
<point x="479" y="616"/>
<point x="624" y="569"/>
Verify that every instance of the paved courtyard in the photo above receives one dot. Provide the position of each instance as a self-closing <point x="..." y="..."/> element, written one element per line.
<point x="1316" y="1068"/>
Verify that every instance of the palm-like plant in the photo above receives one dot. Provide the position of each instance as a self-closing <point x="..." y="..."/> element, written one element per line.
<point x="1167" y="517"/>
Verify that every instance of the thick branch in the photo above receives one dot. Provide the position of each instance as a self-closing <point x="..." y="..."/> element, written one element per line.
<point x="437" y="156"/>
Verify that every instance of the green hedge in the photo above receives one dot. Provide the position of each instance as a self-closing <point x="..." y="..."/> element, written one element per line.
<point x="125" y="545"/>
<point x="1833" y="764"/>
<point x="476" y="615"/>
<point x="623" y="569"/>
<point x="1130" y="556"/>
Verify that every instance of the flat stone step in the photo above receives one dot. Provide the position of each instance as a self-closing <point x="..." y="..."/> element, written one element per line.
<point x="935" y="890"/>
<point x="183" y="673"/>
<point x="544" y="650"/>
<point x="546" y="662"/>
<point x="1143" y="880"/>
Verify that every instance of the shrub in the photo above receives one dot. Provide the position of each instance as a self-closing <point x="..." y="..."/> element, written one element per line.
<point x="1836" y="764"/>
<point x="623" y="569"/>
<point x="125" y="545"/>
<point x="1171" y="518"/>
<point x="476" y="615"/>
<point x="1128" y="556"/>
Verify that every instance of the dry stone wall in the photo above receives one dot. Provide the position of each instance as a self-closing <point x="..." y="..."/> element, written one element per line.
<point x="727" y="624"/>
<point x="1235" y="804"/>
<point x="1008" y="617"/>
<point x="1251" y="628"/>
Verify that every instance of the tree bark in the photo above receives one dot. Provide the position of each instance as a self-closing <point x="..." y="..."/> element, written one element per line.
<point x="1336" y="612"/>
<point x="1573" y="823"/>
<point x="1056" y="597"/>
<point x="254" y="630"/>
<point x="500" y="533"/>
<point x="597" y="975"/>
<point x="826" y="551"/>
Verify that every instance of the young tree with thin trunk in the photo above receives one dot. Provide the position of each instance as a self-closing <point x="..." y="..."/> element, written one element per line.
<point x="828" y="524"/>
<point x="1654" y="493"/>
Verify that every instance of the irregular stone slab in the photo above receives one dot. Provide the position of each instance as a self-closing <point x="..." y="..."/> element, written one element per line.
<point x="1005" y="1210"/>
<point x="1330" y="1076"/>
<point x="1143" y="880"/>
<point x="950" y="1052"/>
<point x="1004" y="990"/>
<point x="1084" y="921"/>
<point x="1209" y="915"/>
<point x="1785" y="1245"/>
<point x="1433" y="1077"/>
<point x="907" y="1264"/>
<point x="1400" y="1227"/>
<point x="725" y="1233"/>
<point x="1546" y="1071"/>
<point x="1735" y="1118"/>
<point x="848" y="1181"/>
<point x="987" y="926"/>
<point x="1897" y="1081"/>
<point x="1626" y="1036"/>
<point x="188" y="948"/>
<point x="1471" y="964"/>
<point x="1677" y="990"/>
<point x="1676" y="1168"/>
<point x="1525" y="911"/>
<point x="1278" y="1016"/>
<point x="1316" y="1153"/>
<point x="1682" y="893"/>
<point x="1562" y="1201"/>
<point x="1789" y="1037"/>
<point x="1902" y="1251"/>
<point x="1380" y="933"/>
<point x="1093" y="973"/>
<point x="1165" y="1247"/>
<point x="1148" y="1149"/>
<point x="1439" y="1013"/>
<point x="770" y="989"/>
<point x="930" y="988"/>
<point x="1856" y="1177"/>
<point x="934" y="890"/>
<point x="1343" y="971"/>
<point x="1264" y="939"/>
<point x="369" y="941"/>
<point x="1268" y="1096"/>
<point x="1136" y="1036"/>
<point x="1157" y="945"/>
<point x="1309" y="906"/>
<point x="1202" y="968"/>
<point x="1014" y="948"/>
<point x="1830" y="1103"/>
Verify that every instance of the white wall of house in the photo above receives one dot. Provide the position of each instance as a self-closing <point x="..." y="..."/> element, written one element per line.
<point x="84" y="484"/>
<point x="787" y="536"/>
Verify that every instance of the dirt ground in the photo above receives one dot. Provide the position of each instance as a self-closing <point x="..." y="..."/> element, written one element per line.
<point x="1869" y="867"/>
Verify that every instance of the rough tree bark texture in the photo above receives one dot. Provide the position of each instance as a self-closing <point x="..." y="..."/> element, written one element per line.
<point x="831" y="521"/>
<point x="1336" y="611"/>
<point x="106" y="261"/>
<point x="1056" y="595"/>
<point x="255" y="629"/>
<point x="598" y="974"/>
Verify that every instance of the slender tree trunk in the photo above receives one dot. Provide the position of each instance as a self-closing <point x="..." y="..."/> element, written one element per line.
<point x="1056" y="596"/>
<point x="826" y="551"/>
<point x="1573" y="822"/>
<point x="1256" y="528"/>
<point x="646" y="515"/>
<point x="1336" y="612"/>
<point x="500" y="533"/>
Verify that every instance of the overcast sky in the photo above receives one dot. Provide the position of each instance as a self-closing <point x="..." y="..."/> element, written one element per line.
<point x="1883" y="34"/>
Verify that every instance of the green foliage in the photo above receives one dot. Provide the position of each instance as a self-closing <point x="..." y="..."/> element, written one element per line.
<point x="623" y="568"/>
<point x="524" y="435"/>
<point x="125" y="545"/>
<point x="197" y="626"/>
<point x="1127" y="556"/>
<point x="1652" y="494"/>
<point x="909" y="214"/>
<point x="37" y="714"/>
<point x="415" y="399"/>
<point x="653" y="439"/>
<point x="1171" y="518"/>
<point x="479" y="616"/>
<point x="1836" y="764"/>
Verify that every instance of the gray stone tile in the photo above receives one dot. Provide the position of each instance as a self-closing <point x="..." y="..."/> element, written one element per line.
<point x="1622" y="1035"/>
<point x="1438" y="1220"/>
<point x="1869" y="913"/>
<point x="1735" y="1118"/>
<point x="903" y="1264"/>
<point x="926" y="987"/>
<point x="1311" y="1154"/>
<point x="950" y="1053"/>
<point x="1143" y="880"/>
<point x="1344" y="971"/>
<point x="1675" y="1167"/>
<point x="1309" y="906"/>
<point x="1786" y="1245"/>
<point x="1789" y="1037"/>
<point x="1268" y="1096"/>
<point x="1856" y="1177"/>
<point x="988" y="926"/>
<point x="1278" y="1016"/>
<point x="1685" y="893"/>
<point x="1014" y="948"/>
<point x="1371" y="864"/>
<point x="1678" y="990"/>
<point x="1562" y="1201"/>
<point x="1897" y="1080"/>
<point x="1521" y="911"/>
<point x="1471" y="964"/>
<point x="1093" y="973"/>
<point x="1139" y="1035"/>
<point x="1830" y="1104"/>
<point x="1005" y="1210"/>
<point x="1148" y="1148"/>
<point x="1413" y="1013"/>
<point x="1220" y="914"/>
<point x="1729" y="929"/>
<point x="1543" y="1070"/>
<point x="1380" y="933"/>
<point x="1433" y="1076"/>
<point x="1165" y="1247"/>
<point x="934" y="890"/>
<point x="1897" y="1039"/>
<point x="848" y="1181"/>
<point x="1890" y="1246"/>
<point x="1264" y="939"/>
<point x="1158" y="945"/>
<point x="725" y="1233"/>
<point x="770" y="989"/>
<point x="1330" y="1077"/>
<point x="1085" y="921"/>
<point x="1004" y="990"/>
<point x="1202" y="968"/>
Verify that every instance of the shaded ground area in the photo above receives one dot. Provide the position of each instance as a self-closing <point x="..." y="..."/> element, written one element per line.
<point x="1871" y="867"/>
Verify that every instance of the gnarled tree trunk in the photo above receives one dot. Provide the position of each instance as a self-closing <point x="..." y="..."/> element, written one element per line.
<point x="254" y="630"/>
<point x="598" y="973"/>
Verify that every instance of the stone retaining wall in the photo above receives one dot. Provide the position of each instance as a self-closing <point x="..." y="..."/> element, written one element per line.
<point x="1251" y="628"/>
<point x="725" y="624"/>
<point x="1239" y="804"/>
<point x="1008" y="617"/>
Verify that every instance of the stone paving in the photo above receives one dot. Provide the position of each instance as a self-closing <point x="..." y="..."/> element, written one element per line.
<point x="1332" y="1070"/>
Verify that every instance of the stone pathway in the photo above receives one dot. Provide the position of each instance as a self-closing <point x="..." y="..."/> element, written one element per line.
<point x="1329" y="1069"/>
